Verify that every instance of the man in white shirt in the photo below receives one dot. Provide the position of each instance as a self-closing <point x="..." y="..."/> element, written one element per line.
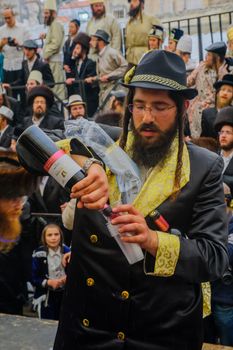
<point x="12" y="35"/>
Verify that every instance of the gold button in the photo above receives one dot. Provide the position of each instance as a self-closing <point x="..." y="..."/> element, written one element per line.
<point x="90" y="282"/>
<point x="93" y="239"/>
<point x="125" y="294"/>
<point x="86" y="322"/>
<point x="121" y="336"/>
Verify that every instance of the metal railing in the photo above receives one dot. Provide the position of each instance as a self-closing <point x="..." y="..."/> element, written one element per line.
<point x="213" y="26"/>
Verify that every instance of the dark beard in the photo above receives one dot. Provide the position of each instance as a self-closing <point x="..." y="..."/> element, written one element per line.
<point x="134" y="12"/>
<point x="98" y="15"/>
<point x="227" y="147"/>
<point x="48" y="21"/>
<point x="150" y="154"/>
<point x="39" y="115"/>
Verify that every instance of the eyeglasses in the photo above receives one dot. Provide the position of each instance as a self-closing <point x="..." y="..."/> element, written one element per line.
<point x="226" y="132"/>
<point x="140" y="109"/>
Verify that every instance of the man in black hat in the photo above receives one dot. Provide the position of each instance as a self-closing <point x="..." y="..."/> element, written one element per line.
<point x="224" y="97"/>
<point x="33" y="62"/>
<point x="41" y="99"/>
<point x="111" y="65"/>
<point x="83" y="67"/>
<point x="157" y="302"/>
<point x="224" y="126"/>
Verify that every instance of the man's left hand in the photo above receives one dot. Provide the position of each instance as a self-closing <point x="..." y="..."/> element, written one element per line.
<point x="133" y="222"/>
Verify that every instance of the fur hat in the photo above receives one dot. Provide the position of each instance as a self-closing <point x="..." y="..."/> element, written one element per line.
<point x="224" y="117"/>
<point x="41" y="91"/>
<point x="15" y="181"/>
<point x="82" y="39"/>
<point x="160" y="70"/>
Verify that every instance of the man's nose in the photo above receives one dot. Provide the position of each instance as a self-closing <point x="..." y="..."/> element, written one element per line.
<point x="148" y="118"/>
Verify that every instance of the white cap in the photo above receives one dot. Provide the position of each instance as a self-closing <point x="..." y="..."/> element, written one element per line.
<point x="2" y="90"/>
<point x="36" y="75"/>
<point x="6" y="112"/>
<point x="50" y="5"/>
<point x="185" y="44"/>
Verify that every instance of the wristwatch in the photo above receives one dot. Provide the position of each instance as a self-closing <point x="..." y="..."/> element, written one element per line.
<point x="87" y="164"/>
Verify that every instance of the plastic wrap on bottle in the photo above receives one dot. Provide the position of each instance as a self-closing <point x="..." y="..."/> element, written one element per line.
<point x="126" y="171"/>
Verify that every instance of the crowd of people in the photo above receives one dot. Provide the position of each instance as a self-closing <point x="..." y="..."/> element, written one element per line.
<point x="162" y="108"/>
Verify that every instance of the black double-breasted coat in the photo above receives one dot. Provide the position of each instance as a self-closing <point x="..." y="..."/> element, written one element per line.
<point x="110" y="304"/>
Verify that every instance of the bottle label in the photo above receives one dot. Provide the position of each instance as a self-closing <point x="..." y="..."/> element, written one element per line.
<point x="61" y="167"/>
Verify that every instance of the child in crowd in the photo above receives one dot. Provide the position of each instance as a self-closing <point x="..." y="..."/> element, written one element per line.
<point x="48" y="273"/>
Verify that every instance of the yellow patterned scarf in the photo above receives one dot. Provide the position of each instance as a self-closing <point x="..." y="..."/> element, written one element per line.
<point x="160" y="184"/>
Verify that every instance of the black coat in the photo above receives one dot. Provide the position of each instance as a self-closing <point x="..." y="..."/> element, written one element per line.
<point x="41" y="66"/>
<point x="88" y="69"/>
<point x="228" y="175"/>
<point x="49" y="122"/>
<point x="207" y="122"/>
<point x="67" y="51"/>
<point x="5" y="139"/>
<point x="153" y="313"/>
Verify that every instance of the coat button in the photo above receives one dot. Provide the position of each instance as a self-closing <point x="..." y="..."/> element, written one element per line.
<point x="90" y="282"/>
<point x="125" y="294"/>
<point x="93" y="239"/>
<point x="121" y="336"/>
<point x="86" y="322"/>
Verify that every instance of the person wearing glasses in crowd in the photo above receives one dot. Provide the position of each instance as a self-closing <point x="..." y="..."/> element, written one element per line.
<point x="224" y="98"/>
<point x="224" y="126"/>
<point x="12" y="35"/>
<point x="157" y="302"/>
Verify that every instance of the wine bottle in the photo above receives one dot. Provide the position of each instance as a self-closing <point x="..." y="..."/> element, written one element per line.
<point x="35" y="145"/>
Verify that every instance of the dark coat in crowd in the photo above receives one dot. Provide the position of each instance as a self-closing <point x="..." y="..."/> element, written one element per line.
<point x="49" y="122"/>
<point x="87" y="69"/>
<point x="67" y="51"/>
<point x="110" y="304"/>
<point x="5" y="139"/>
<point x="41" y="66"/>
<point x="228" y="175"/>
<point x="207" y="122"/>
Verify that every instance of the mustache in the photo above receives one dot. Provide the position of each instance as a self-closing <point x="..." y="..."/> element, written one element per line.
<point x="148" y="127"/>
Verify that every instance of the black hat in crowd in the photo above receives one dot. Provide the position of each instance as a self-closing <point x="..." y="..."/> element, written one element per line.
<point x="82" y="39"/>
<point x="226" y="80"/>
<point x="101" y="34"/>
<point x="176" y="34"/>
<point x="41" y="91"/>
<point x="143" y="1"/>
<point x="30" y="44"/>
<point x="224" y="117"/>
<point x="220" y="48"/>
<point x="160" y="70"/>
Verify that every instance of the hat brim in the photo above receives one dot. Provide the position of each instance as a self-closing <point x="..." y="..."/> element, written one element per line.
<point x="76" y="103"/>
<point x="100" y="37"/>
<point x="186" y="93"/>
<point x="218" y="126"/>
<point x="218" y="84"/>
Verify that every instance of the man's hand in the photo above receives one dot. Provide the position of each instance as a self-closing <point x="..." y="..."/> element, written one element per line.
<point x="90" y="80"/>
<point x="42" y="36"/>
<point x="92" y="191"/>
<point x="67" y="68"/>
<point x="3" y="42"/>
<point x="104" y="78"/>
<point x="134" y="223"/>
<point x="69" y="81"/>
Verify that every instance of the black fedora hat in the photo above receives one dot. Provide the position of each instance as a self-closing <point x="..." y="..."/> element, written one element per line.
<point x="82" y="39"/>
<point x="226" y="80"/>
<point x="160" y="70"/>
<point x="101" y="34"/>
<point x="41" y="91"/>
<point x="224" y="117"/>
